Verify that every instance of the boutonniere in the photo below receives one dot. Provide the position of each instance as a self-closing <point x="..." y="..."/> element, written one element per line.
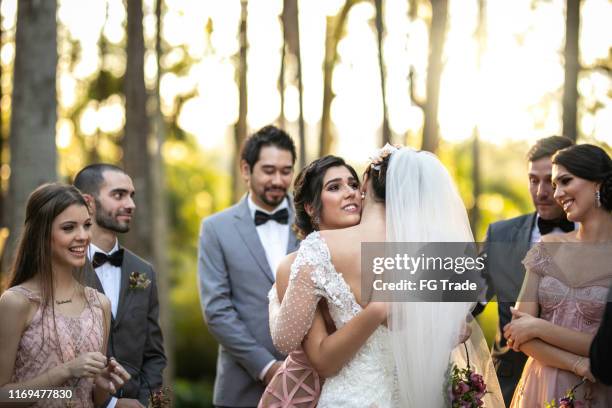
<point x="138" y="280"/>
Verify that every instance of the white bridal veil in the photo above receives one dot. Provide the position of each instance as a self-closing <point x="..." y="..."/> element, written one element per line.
<point x="423" y="205"/>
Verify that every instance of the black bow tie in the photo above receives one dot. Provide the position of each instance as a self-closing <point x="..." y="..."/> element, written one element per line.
<point x="281" y="216"/>
<point x="546" y="226"/>
<point x="115" y="259"/>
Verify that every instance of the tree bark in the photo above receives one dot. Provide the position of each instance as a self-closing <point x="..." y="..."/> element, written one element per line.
<point x="380" y="29"/>
<point x="34" y="109"/>
<point x="291" y="30"/>
<point x="240" y="128"/>
<point x="333" y="33"/>
<point x="160" y="215"/>
<point x="572" y="67"/>
<point x="136" y="156"/>
<point x="439" y="12"/>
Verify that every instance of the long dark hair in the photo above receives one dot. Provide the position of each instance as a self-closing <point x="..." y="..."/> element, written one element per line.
<point x="307" y="191"/>
<point x="591" y="163"/>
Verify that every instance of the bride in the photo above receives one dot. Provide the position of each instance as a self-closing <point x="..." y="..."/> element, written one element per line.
<point x="408" y="196"/>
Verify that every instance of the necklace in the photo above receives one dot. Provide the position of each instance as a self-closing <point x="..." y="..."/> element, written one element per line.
<point x="69" y="300"/>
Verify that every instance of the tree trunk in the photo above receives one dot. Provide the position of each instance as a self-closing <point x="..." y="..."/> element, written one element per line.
<point x="439" y="14"/>
<point x="333" y="33"/>
<point x="380" y="29"/>
<point x="240" y="128"/>
<point x="34" y="109"/>
<point x="572" y="66"/>
<point x="291" y="30"/>
<point x="481" y="36"/>
<point x="136" y="157"/>
<point x="2" y="218"/>
<point x="160" y="215"/>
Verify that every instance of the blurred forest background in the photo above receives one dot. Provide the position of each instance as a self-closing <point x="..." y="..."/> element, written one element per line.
<point x="169" y="89"/>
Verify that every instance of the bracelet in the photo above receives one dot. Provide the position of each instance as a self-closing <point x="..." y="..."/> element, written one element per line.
<point x="578" y="360"/>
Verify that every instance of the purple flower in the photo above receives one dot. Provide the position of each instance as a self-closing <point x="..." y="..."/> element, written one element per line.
<point x="478" y="382"/>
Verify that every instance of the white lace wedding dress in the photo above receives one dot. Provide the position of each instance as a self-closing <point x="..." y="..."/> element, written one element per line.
<point x="369" y="379"/>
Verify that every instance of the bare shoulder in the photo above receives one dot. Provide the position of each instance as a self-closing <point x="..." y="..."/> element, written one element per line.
<point x="283" y="272"/>
<point x="341" y="241"/>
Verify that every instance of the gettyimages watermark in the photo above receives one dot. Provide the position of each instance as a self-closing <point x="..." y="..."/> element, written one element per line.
<point x="460" y="271"/>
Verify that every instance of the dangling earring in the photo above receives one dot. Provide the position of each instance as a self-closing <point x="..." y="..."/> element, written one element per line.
<point x="598" y="198"/>
<point x="363" y="195"/>
<point x="315" y="222"/>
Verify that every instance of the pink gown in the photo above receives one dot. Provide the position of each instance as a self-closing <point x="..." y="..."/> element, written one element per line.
<point x="571" y="299"/>
<point x="41" y="349"/>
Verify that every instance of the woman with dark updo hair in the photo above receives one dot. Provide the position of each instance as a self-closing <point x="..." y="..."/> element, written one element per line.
<point x="326" y="197"/>
<point x="564" y="293"/>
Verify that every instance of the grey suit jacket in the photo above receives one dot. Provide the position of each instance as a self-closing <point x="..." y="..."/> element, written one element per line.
<point x="506" y="245"/>
<point x="135" y="339"/>
<point x="234" y="279"/>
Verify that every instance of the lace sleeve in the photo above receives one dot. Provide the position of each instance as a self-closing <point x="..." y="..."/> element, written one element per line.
<point x="536" y="259"/>
<point x="296" y="312"/>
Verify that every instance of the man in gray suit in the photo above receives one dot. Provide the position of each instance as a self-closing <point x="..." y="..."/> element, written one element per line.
<point x="507" y="243"/>
<point x="128" y="281"/>
<point x="239" y="251"/>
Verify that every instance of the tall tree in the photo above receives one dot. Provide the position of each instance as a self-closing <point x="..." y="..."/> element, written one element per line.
<point x="240" y="128"/>
<point x="291" y="34"/>
<point x="572" y="67"/>
<point x="160" y="210"/>
<point x="136" y="156"/>
<point x="333" y="33"/>
<point x="34" y="108"/>
<point x="380" y="30"/>
<point x="480" y="35"/>
<point x="437" y="33"/>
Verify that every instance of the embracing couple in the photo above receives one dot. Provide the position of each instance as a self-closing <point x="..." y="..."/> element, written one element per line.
<point x="370" y="353"/>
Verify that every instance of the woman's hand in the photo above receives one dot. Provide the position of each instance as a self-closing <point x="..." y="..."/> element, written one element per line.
<point x="521" y="329"/>
<point x="87" y="365"/>
<point x="582" y="368"/>
<point x="112" y="377"/>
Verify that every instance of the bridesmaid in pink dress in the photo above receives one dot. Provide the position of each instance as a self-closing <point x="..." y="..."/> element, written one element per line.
<point x="54" y="330"/>
<point x="567" y="281"/>
<point x="326" y="196"/>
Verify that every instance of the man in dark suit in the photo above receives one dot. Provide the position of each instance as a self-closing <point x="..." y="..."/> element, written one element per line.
<point x="128" y="281"/>
<point x="506" y="244"/>
<point x="239" y="251"/>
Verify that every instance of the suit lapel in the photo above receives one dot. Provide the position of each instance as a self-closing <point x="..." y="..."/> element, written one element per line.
<point x="292" y="242"/>
<point x="91" y="277"/>
<point x="124" y="296"/>
<point x="522" y="241"/>
<point x="246" y="227"/>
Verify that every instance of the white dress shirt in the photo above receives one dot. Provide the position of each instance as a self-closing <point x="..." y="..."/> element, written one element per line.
<point x="273" y="235"/>
<point x="110" y="278"/>
<point x="109" y="275"/>
<point x="274" y="238"/>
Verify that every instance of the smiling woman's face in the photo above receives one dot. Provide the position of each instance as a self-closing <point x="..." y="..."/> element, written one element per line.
<point x="340" y="199"/>
<point x="576" y="195"/>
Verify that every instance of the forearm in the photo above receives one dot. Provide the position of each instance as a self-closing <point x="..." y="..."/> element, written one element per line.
<point x="549" y="355"/>
<point x="328" y="354"/>
<point x="54" y="377"/>
<point x="567" y="339"/>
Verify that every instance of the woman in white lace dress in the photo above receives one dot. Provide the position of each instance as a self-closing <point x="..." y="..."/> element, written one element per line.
<point x="405" y="192"/>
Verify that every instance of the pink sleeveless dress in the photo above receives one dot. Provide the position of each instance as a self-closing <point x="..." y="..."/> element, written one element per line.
<point x="42" y="347"/>
<point x="577" y="307"/>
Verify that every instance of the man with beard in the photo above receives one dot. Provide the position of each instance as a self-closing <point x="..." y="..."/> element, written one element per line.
<point x="135" y="339"/>
<point x="507" y="243"/>
<point x="239" y="251"/>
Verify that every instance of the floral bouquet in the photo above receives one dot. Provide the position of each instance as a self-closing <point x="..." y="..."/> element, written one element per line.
<point x="569" y="400"/>
<point x="160" y="398"/>
<point x="467" y="388"/>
